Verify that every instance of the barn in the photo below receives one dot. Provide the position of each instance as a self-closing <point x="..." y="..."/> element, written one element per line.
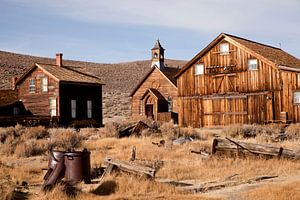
<point x="156" y="94"/>
<point x="236" y="80"/>
<point x="56" y="92"/>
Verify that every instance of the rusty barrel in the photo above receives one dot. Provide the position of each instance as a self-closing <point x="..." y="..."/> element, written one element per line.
<point x="55" y="156"/>
<point x="77" y="166"/>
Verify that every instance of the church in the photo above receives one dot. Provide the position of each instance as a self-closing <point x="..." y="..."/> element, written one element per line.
<point x="156" y="94"/>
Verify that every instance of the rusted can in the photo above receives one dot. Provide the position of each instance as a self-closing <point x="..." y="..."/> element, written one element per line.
<point x="55" y="156"/>
<point x="77" y="166"/>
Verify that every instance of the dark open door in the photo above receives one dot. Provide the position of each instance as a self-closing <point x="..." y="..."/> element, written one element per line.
<point x="149" y="110"/>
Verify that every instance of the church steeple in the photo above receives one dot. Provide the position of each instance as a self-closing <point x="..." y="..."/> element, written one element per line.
<point x="158" y="56"/>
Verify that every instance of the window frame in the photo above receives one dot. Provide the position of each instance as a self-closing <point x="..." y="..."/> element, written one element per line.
<point x="32" y="85"/>
<point x="16" y="110"/>
<point x="73" y="108"/>
<point x="141" y="107"/>
<point x="202" y="70"/>
<point x="53" y="107"/>
<point x="294" y="93"/>
<point x="248" y="64"/>
<point x="44" y="85"/>
<point x="170" y="104"/>
<point x="221" y="50"/>
<point x="89" y="105"/>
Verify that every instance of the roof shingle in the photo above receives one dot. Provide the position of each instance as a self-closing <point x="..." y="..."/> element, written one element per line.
<point x="68" y="74"/>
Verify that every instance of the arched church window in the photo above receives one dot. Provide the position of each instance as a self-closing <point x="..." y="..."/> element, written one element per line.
<point x="155" y="55"/>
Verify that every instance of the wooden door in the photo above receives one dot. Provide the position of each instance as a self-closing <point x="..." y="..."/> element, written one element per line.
<point x="224" y="111"/>
<point x="149" y="110"/>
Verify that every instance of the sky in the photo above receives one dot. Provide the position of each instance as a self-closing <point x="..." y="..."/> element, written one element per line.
<point x="111" y="31"/>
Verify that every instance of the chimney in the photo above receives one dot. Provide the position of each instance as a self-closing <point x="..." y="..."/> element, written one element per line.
<point x="13" y="82"/>
<point x="59" y="59"/>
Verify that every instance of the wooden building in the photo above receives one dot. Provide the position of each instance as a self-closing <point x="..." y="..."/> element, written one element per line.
<point x="235" y="80"/>
<point x="60" y="92"/>
<point x="156" y="95"/>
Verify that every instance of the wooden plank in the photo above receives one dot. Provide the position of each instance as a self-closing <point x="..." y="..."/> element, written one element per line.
<point x="130" y="167"/>
<point x="225" y="145"/>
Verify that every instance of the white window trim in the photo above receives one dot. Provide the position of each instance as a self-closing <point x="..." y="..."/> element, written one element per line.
<point x="73" y="108"/>
<point x="221" y="49"/>
<point x="252" y="69"/>
<point x="199" y="71"/>
<point x="44" y="84"/>
<point x="170" y="104"/>
<point x="89" y="109"/>
<point x="296" y="97"/>
<point x="53" y="107"/>
<point x="32" y="87"/>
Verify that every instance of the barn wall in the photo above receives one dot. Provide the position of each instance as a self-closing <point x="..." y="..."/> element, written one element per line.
<point x="229" y="95"/>
<point x="291" y="84"/>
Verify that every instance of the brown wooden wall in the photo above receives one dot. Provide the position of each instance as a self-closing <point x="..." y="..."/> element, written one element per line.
<point x="291" y="83"/>
<point x="38" y="103"/>
<point x="158" y="81"/>
<point x="231" y="95"/>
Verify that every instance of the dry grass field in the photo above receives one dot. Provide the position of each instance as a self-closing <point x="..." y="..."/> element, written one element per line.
<point x="24" y="154"/>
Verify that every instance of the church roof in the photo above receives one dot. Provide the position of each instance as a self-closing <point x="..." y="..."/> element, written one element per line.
<point x="157" y="45"/>
<point x="168" y="72"/>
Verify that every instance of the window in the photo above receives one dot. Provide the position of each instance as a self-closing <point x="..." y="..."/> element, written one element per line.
<point x="16" y="110"/>
<point x="45" y="84"/>
<point x="252" y="64"/>
<point x="73" y="108"/>
<point x="89" y="109"/>
<point x="32" y="85"/>
<point x="224" y="48"/>
<point x="170" y="104"/>
<point x="199" y="69"/>
<point x="296" y="97"/>
<point x="141" y="107"/>
<point x="53" y="107"/>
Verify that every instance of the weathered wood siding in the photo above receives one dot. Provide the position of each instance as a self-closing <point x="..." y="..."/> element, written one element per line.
<point x="81" y="93"/>
<point x="38" y="103"/>
<point x="157" y="81"/>
<point x="291" y="84"/>
<point x="228" y="92"/>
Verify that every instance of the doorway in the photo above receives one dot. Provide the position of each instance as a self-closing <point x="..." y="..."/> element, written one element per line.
<point x="149" y="110"/>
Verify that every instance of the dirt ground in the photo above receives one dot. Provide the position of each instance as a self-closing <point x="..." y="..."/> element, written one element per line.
<point x="179" y="165"/>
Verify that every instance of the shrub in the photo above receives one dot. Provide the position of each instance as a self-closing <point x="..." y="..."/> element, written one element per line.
<point x="30" y="148"/>
<point x="293" y="131"/>
<point x="38" y="132"/>
<point x="65" y="139"/>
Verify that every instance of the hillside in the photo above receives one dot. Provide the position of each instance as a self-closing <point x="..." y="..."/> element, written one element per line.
<point x="119" y="77"/>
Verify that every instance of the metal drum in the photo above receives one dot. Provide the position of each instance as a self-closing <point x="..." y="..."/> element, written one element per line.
<point x="77" y="166"/>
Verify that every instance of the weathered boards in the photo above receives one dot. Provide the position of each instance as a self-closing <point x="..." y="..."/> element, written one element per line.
<point x="237" y="81"/>
<point x="130" y="167"/>
<point x="229" y="145"/>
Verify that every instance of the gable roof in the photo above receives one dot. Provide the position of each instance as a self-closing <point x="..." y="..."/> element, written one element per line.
<point x="157" y="45"/>
<point x="64" y="73"/>
<point x="168" y="72"/>
<point x="273" y="54"/>
<point x="8" y="97"/>
<point x="155" y="93"/>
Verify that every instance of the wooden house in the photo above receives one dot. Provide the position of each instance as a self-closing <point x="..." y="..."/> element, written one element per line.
<point x="60" y="92"/>
<point x="235" y="80"/>
<point x="156" y="94"/>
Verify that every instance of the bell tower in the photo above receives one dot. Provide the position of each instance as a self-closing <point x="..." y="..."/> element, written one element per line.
<point x="158" y="56"/>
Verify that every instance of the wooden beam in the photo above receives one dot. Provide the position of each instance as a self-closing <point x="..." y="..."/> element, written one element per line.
<point x="130" y="167"/>
<point x="228" y="145"/>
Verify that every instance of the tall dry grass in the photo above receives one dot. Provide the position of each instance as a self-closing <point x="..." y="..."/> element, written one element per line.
<point x="281" y="191"/>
